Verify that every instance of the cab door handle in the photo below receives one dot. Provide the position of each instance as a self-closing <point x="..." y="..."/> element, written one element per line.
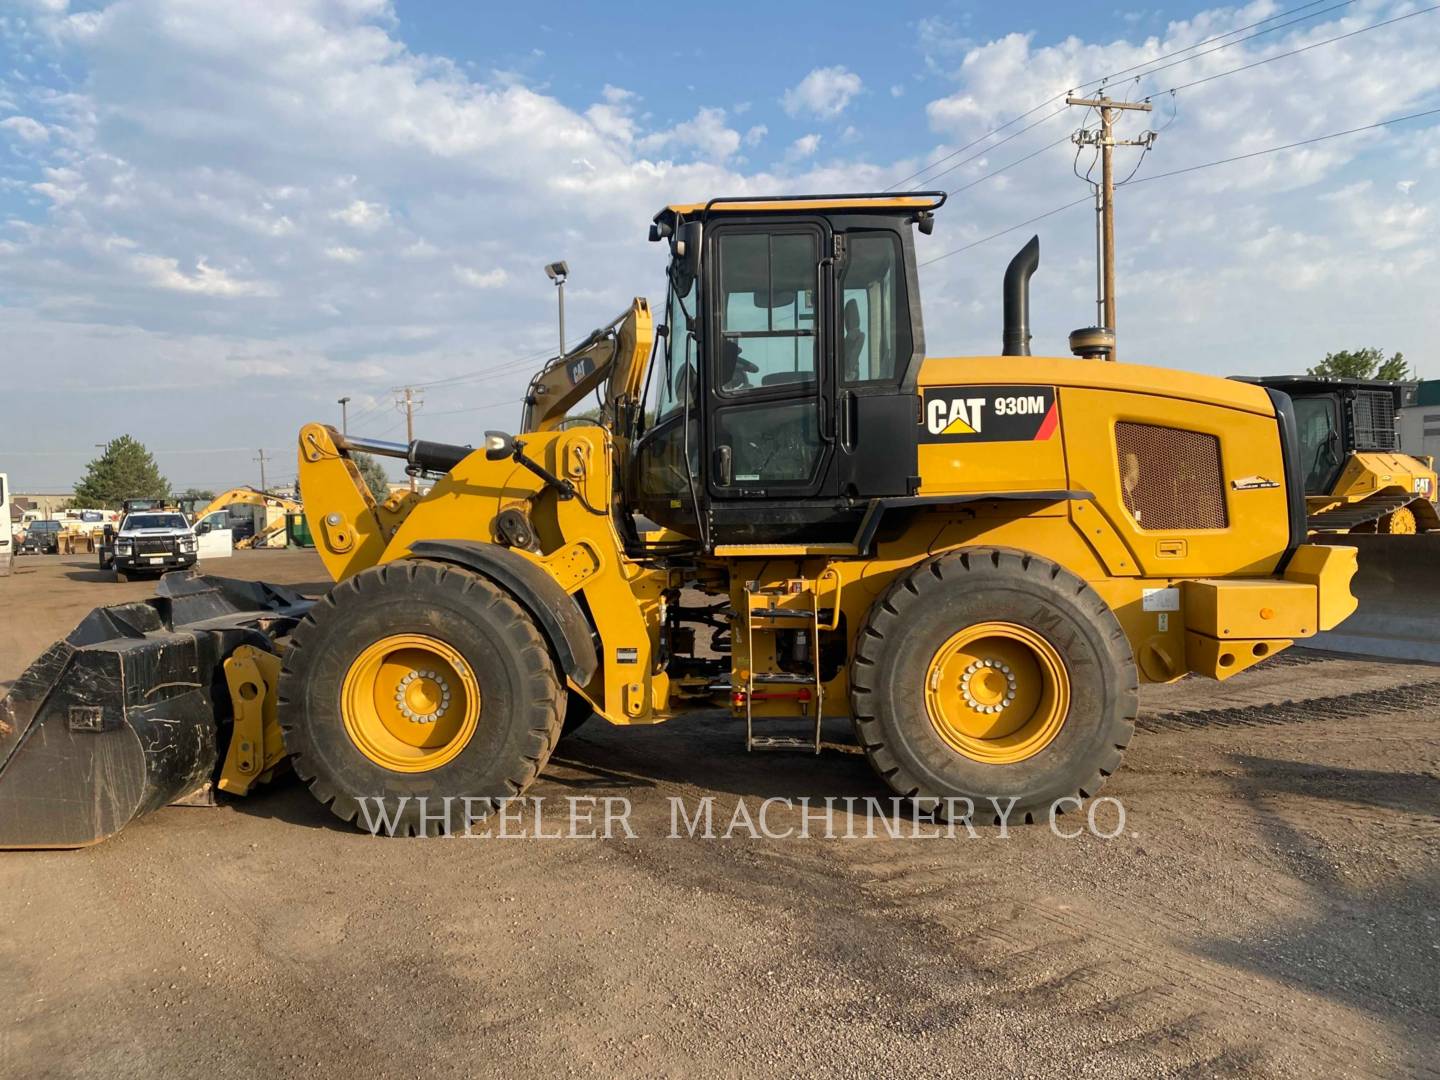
<point x="724" y="466"/>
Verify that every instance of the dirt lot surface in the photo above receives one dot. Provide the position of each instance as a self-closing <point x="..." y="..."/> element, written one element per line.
<point x="1270" y="909"/>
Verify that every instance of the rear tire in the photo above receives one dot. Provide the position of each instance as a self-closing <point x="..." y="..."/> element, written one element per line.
<point x="993" y="674"/>
<point x="444" y="762"/>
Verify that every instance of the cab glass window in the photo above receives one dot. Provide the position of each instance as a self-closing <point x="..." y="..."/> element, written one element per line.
<point x="1317" y="424"/>
<point x="668" y="377"/>
<point x="874" y="324"/>
<point x="768" y="299"/>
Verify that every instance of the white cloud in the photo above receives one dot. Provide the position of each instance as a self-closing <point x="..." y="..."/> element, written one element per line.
<point x="362" y="215"/>
<point x="805" y="146"/>
<point x="825" y="93"/>
<point x="207" y="280"/>
<point x="706" y="133"/>
<point x="342" y="253"/>
<point x="25" y="129"/>
<point x="477" y="279"/>
<point x="756" y="135"/>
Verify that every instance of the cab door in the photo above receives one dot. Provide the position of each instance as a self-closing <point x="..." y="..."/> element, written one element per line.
<point x="770" y="379"/>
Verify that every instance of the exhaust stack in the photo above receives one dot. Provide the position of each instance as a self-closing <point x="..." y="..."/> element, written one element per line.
<point x="1017" y="299"/>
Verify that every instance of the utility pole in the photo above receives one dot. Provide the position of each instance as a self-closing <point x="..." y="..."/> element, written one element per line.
<point x="262" y="459"/>
<point x="409" y="403"/>
<point x="1105" y="194"/>
<point x="344" y="415"/>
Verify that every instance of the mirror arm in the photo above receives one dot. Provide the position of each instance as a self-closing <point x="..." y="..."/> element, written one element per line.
<point x="564" y="488"/>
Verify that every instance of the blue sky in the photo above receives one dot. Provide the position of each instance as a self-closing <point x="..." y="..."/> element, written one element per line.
<point x="217" y="219"/>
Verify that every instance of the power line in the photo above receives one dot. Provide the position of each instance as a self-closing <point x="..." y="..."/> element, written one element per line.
<point x="1009" y="229"/>
<point x="1296" y="52"/>
<point x="1020" y="161"/>
<point x="1174" y="90"/>
<point x="1286" y="146"/>
<point x="1189" y="169"/>
<point x="1241" y="30"/>
<point x="1134" y="67"/>
<point x="479" y="408"/>
<point x="1028" y="127"/>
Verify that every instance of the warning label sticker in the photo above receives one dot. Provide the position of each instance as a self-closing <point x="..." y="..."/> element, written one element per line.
<point x="988" y="414"/>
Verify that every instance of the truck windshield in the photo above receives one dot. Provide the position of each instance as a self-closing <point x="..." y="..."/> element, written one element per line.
<point x="153" y="521"/>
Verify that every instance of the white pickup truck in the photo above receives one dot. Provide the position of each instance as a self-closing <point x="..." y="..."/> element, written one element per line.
<point x="150" y="542"/>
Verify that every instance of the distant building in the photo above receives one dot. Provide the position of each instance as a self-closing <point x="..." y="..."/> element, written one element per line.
<point x="47" y="504"/>
<point x="1420" y="421"/>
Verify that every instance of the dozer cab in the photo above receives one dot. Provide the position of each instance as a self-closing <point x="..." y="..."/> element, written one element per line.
<point x="1356" y="478"/>
<point x="785" y="510"/>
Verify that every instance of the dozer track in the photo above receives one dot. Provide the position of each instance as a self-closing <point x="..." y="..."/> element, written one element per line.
<point x="129" y="712"/>
<point x="1349" y="516"/>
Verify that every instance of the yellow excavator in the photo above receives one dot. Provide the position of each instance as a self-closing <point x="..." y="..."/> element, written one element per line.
<point x="786" y="509"/>
<point x="276" y="507"/>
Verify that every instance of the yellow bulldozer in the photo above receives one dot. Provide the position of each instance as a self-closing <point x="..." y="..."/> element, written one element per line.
<point x="784" y="510"/>
<point x="1357" y="479"/>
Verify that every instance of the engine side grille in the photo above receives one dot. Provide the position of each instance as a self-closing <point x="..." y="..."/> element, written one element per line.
<point x="1171" y="478"/>
<point x="1375" y="421"/>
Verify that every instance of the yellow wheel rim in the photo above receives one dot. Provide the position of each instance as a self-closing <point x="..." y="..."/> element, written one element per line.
<point x="410" y="703"/>
<point x="1401" y="521"/>
<point x="997" y="692"/>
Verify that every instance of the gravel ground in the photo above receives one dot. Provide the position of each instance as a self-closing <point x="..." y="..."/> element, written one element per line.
<point x="1269" y="909"/>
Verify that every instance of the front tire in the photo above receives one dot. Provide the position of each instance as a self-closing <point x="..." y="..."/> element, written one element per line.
<point x="422" y="691"/>
<point x="993" y="674"/>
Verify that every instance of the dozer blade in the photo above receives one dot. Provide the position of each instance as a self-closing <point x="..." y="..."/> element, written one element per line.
<point x="130" y="712"/>
<point x="1398" y="589"/>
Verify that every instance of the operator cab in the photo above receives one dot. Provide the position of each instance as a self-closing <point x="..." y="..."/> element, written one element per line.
<point x="1336" y="417"/>
<point x="781" y="397"/>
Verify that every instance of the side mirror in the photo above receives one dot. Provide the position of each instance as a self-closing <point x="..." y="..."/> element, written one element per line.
<point x="499" y="445"/>
<point x="685" y="266"/>
<point x="109" y="532"/>
<point x="202" y="528"/>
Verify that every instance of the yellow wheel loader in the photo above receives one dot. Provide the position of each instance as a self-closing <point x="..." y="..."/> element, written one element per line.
<point x="784" y="510"/>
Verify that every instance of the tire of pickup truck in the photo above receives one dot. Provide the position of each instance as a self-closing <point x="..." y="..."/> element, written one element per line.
<point x="120" y="575"/>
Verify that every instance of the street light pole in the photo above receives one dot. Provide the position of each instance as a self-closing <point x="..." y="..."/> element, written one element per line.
<point x="344" y="416"/>
<point x="558" y="272"/>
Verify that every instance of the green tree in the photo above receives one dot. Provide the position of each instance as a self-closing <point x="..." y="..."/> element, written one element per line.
<point x="125" y="470"/>
<point x="1394" y="369"/>
<point x="1368" y="363"/>
<point x="373" y="473"/>
<point x="199" y="495"/>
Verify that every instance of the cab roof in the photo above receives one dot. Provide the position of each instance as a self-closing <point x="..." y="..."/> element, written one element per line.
<point x="861" y="202"/>
<point x="1319" y="384"/>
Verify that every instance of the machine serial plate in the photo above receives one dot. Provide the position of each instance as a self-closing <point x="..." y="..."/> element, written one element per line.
<point x="989" y="414"/>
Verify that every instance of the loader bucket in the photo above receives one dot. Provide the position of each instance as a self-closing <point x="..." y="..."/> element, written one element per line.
<point x="130" y="712"/>
<point x="1398" y="589"/>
